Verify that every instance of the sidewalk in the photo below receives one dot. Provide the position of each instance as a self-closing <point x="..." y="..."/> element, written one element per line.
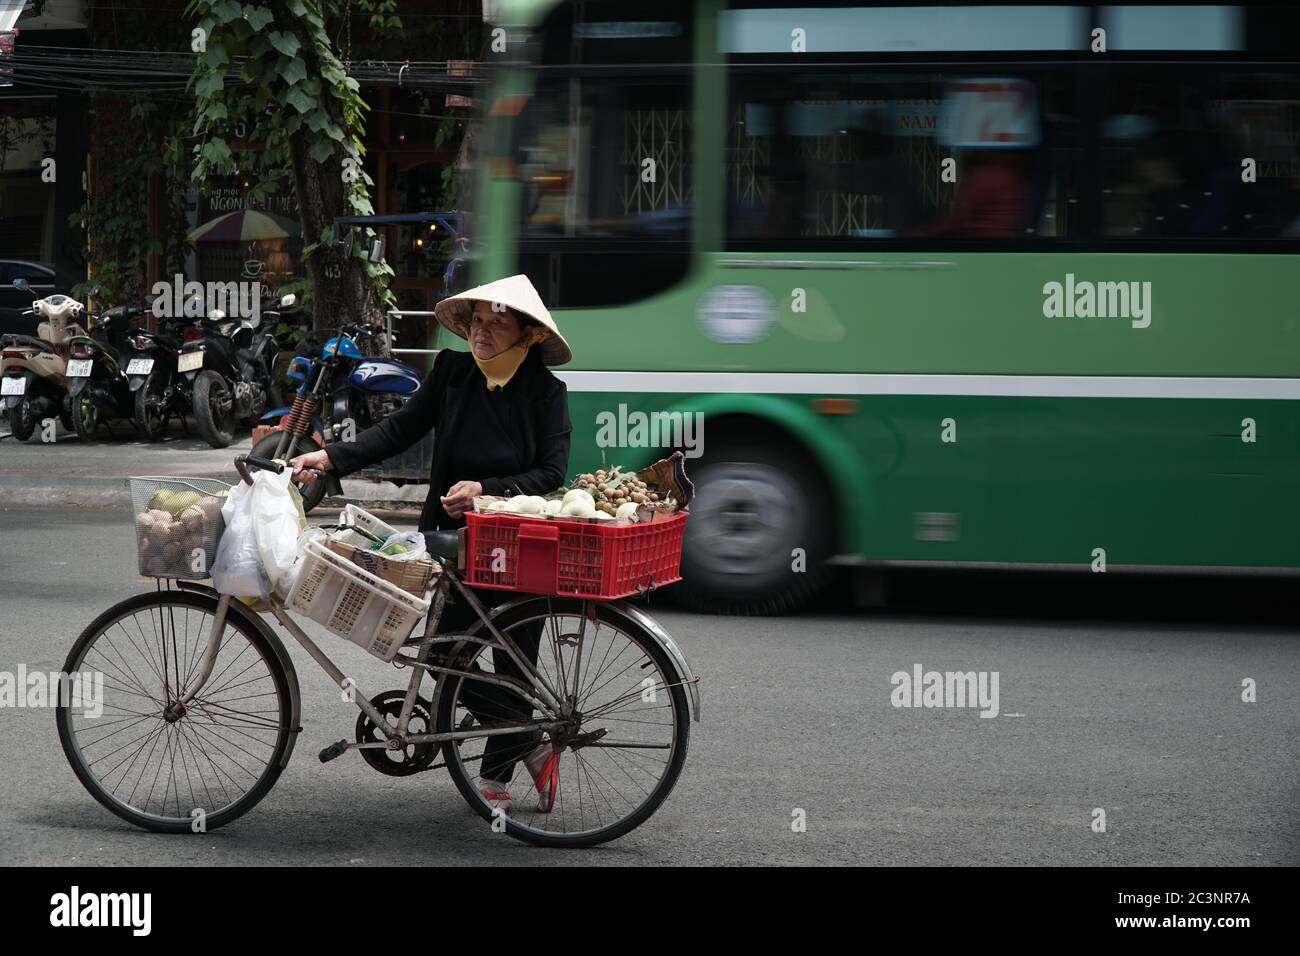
<point x="71" y="472"/>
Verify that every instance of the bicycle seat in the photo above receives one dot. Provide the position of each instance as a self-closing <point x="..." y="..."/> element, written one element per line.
<point x="445" y="544"/>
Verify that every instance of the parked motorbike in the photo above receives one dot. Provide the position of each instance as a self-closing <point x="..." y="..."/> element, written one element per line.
<point x="97" y="383"/>
<point x="231" y="371"/>
<point x="158" y="390"/>
<point x="340" y="390"/>
<point x="33" y="370"/>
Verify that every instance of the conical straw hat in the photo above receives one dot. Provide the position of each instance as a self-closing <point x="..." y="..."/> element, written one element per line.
<point x="516" y="293"/>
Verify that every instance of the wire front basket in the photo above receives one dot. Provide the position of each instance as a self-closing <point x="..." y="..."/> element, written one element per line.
<point x="178" y="525"/>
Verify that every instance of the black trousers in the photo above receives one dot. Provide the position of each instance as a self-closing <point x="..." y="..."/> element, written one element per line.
<point x="492" y="703"/>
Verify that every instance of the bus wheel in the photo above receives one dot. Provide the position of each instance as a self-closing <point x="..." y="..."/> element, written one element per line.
<point x="759" y="534"/>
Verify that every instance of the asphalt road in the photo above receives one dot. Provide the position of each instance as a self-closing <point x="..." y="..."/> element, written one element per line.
<point x="1123" y="699"/>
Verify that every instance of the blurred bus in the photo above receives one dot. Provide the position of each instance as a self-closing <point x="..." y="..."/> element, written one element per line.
<point x="960" y="285"/>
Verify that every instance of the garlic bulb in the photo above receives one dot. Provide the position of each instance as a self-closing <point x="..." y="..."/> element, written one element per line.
<point x="579" y="508"/>
<point x="577" y="494"/>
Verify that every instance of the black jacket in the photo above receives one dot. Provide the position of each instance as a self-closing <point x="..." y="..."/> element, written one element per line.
<point x="540" y="404"/>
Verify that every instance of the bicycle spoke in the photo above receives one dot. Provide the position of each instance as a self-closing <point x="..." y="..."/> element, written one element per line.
<point x="602" y="778"/>
<point x="220" y="746"/>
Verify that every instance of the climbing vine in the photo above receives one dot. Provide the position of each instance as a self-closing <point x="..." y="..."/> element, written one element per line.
<point x="274" y="68"/>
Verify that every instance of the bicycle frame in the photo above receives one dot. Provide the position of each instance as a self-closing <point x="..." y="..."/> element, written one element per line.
<point x="537" y="691"/>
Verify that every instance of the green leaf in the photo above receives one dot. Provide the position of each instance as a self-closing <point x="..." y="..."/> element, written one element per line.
<point x="216" y="152"/>
<point x="294" y="72"/>
<point x="312" y="86"/>
<point x="215" y="111"/>
<point x="259" y="18"/>
<point x="334" y="133"/>
<point x="227" y="11"/>
<point x="286" y="43"/>
<point x="215" y="57"/>
<point x="318" y="120"/>
<point x="321" y="150"/>
<point x="292" y="123"/>
<point x="297" y="8"/>
<point x="299" y="100"/>
<point x="210" y="85"/>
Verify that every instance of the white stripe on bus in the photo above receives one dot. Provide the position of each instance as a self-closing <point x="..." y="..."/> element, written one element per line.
<point x="1006" y="386"/>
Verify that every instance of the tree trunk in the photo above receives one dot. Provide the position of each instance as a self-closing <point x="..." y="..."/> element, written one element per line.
<point x="342" y="292"/>
<point x="341" y="289"/>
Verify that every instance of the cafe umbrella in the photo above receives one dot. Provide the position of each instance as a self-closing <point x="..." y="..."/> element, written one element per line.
<point x="245" y="225"/>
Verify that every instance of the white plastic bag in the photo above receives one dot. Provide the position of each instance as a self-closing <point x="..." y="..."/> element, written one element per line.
<point x="236" y="569"/>
<point x="276" y="525"/>
<point x="260" y="543"/>
<point x="411" y="541"/>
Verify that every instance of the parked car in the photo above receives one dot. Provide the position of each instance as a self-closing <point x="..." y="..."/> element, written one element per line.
<point x="44" y="280"/>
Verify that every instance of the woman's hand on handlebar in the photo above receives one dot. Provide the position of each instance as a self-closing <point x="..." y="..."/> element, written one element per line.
<point x="303" y="465"/>
<point x="460" y="497"/>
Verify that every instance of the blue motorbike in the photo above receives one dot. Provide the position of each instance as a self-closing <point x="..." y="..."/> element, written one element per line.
<point x="341" y="391"/>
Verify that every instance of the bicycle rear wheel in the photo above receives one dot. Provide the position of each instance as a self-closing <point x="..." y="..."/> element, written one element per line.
<point x="622" y="730"/>
<point x="208" y="767"/>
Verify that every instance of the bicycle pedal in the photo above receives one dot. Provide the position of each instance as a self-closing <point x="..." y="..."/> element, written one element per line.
<point x="334" y="750"/>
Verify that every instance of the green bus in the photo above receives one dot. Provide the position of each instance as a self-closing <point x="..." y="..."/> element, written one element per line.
<point x="921" y="285"/>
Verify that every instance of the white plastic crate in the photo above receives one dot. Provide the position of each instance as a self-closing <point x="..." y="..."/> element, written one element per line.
<point x="353" y="603"/>
<point x="353" y="517"/>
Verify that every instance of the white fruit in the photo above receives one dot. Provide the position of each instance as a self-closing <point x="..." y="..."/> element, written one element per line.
<point x="553" y="506"/>
<point x="578" y="494"/>
<point x="579" y="508"/>
<point x="539" y="504"/>
<point x="626" y="510"/>
<point x="603" y="515"/>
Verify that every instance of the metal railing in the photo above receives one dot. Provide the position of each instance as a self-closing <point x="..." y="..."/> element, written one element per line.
<point x="400" y="313"/>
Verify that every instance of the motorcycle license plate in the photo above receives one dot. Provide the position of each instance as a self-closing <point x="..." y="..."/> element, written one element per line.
<point x="14" y="385"/>
<point x="189" y="361"/>
<point x="79" y="368"/>
<point x="139" y="366"/>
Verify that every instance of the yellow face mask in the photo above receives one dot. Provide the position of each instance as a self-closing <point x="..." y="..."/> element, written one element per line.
<point x="501" y="368"/>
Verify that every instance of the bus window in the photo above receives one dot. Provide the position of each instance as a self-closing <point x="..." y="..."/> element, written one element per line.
<point x="854" y="158"/>
<point x="1174" y="150"/>
<point x="603" y="151"/>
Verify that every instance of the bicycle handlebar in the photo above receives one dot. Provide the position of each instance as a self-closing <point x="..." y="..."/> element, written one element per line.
<point x="243" y="462"/>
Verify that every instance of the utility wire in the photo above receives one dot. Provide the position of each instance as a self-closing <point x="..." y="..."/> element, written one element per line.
<point x="72" y="69"/>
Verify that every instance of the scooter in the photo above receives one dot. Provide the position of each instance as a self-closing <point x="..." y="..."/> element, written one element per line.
<point x="354" y="391"/>
<point x="157" y="390"/>
<point x="97" y="384"/>
<point x="231" y="371"/>
<point x="33" y="370"/>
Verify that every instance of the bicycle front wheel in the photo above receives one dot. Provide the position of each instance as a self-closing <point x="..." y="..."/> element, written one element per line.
<point x="206" y="768"/>
<point x="608" y="756"/>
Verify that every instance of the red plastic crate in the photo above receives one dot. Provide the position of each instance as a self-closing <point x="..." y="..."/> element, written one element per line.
<point x="581" y="558"/>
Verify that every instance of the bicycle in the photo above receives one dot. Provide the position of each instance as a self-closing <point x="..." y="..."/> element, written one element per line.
<point x="191" y="729"/>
